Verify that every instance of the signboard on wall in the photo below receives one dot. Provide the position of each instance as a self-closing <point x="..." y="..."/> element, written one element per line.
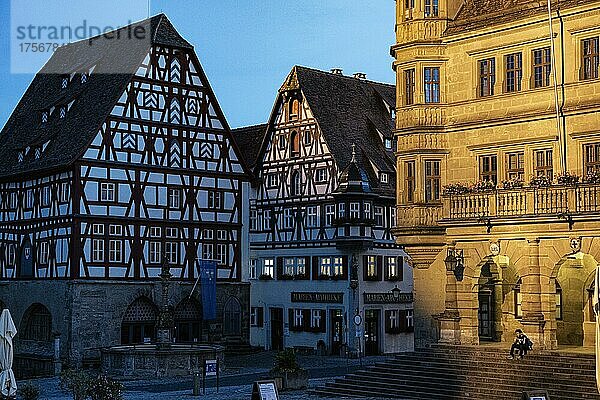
<point x="387" y="298"/>
<point x="317" y="297"/>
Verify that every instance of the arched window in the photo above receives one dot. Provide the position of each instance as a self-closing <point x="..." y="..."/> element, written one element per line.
<point x="518" y="300"/>
<point x="139" y="322"/>
<point x="188" y="321"/>
<point x="559" y="302"/>
<point x="232" y="318"/>
<point x="294" y="109"/>
<point x="36" y="324"/>
<point x="295" y="144"/>
<point x="295" y="184"/>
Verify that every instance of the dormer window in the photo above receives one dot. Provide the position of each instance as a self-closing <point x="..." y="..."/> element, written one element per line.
<point x="84" y="77"/>
<point x="21" y="156"/>
<point x="384" y="177"/>
<point x="388" y="144"/>
<point x="63" y="112"/>
<point x="64" y="83"/>
<point x="38" y="152"/>
<point x="295" y="144"/>
<point x="294" y="109"/>
<point x="44" y="117"/>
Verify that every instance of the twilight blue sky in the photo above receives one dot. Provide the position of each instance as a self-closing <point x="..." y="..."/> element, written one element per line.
<point x="247" y="47"/>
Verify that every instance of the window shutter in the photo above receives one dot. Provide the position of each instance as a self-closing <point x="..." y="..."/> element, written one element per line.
<point x="260" y="318"/>
<point x="279" y="272"/>
<point x="345" y="268"/>
<point x="323" y="321"/>
<point x="388" y="323"/>
<point x="306" y="320"/>
<point x="379" y="268"/>
<point x="365" y="267"/>
<point x="315" y="268"/>
<point x="402" y="323"/>
<point x="291" y="319"/>
<point x="307" y="267"/>
<point x="400" y="265"/>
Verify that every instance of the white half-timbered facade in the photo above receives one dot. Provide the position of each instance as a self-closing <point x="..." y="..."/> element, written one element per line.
<point x="321" y="212"/>
<point x="119" y="165"/>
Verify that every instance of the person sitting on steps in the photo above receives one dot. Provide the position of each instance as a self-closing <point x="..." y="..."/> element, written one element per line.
<point x="521" y="343"/>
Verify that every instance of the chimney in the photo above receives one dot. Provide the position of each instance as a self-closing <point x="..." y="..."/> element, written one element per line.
<point x="337" y="71"/>
<point x="360" y="75"/>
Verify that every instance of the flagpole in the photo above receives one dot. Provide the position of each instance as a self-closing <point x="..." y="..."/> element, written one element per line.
<point x="195" y="283"/>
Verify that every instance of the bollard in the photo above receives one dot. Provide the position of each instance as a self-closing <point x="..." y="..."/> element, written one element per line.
<point x="196" y="390"/>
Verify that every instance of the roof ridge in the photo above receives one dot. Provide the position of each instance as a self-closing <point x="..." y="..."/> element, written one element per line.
<point x="251" y="126"/>
<point x="344" y="76"/>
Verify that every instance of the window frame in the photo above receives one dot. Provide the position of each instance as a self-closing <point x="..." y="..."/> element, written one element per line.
<point x="590" y="62"/>
<point x="541" y="67"/>
<point x="432" y="85"/>
<point x="433" y="181"/>
<point x="513" y="72"/>
<point x="515" y="170"/>
<point x="487" y="77"/>
<point x="409" y="87"/>
<point x="488" y="172"/>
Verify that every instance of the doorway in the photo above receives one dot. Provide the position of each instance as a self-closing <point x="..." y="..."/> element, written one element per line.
<point x="276" y="328"/>
<point x="371" y="332"/>
<point x="337" y="331"/>
<point x="486" y="313"/>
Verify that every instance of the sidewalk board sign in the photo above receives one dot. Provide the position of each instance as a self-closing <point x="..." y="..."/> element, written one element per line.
<point x="265" y="390"/>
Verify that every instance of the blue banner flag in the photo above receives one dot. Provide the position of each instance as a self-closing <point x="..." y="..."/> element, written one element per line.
<point x="208" y="285"/>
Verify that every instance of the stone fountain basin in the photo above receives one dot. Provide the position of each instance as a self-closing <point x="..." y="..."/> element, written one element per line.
<point x="148" y="361"/>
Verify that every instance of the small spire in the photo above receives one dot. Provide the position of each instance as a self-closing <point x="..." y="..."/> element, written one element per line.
<point x="353" y="152"/>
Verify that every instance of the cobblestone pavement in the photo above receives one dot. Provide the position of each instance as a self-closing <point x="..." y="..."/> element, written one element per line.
<point x="240" y="372"/>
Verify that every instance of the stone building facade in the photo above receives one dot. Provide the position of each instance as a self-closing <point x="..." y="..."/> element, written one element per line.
<point x="498" y="167"/>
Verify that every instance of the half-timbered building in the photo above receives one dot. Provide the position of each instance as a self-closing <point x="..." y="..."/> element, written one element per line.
<point x="321" y="213"/>
<point x="117" y="161"/>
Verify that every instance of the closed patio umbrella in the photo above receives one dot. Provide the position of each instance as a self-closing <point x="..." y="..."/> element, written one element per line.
<point x="7" y="332"/>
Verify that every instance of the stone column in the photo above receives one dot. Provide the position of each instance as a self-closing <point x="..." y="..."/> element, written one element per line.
<point x="450" y="319"/>
<point x="531" y="289"/>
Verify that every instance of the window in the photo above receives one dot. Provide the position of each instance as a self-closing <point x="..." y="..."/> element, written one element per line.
<point x="514" y="72"/>
<point x="29" y="199"/>
<point x="315" y="320"/>
<point x="12" y="254"/>
<point x="289" y="266"/>
<point x="256" y="317"/>
<point x="46" y="196"/>
<point x="325" y="266"/>
<point x="329" y="214"/>
<point x="592" y="158"/>
<point x="207" y="251"/>
<point x="431" y="8"/>
<point x="409" y="181"/>
<point x="298" y="318"/>
<point x="115" y="251"/>
<point x="295" y="144"/>
<point x="222" y="253"/>
<point x="378" y="216"/>
<point x="354" y="210"/>
<point x="409" y="6"/>
<point x="44" y="117"/>
<point x="281" y="141"/>
<point x="559" y="300"/>
<point x="295" y="184"/>
<point x="215" y="200"/>
<point x="367" y="210"/>
<point x="84" y="77"/>
<point x="338" y="266"/>
<point x="392" y="269"/>
<point x="252" y="268"/>
<point x="515" y="166"/>
<point x="392" y="217"/>
<point x="64" y="192"/>
<point x="432" y="181"/>
<point x="172" y="252"/>
<point x="268" y="267"/>
<point x="388" y="144"/>
<point x="294" y="109"/>
<point x="175" y="199"/>
<point x="64" y="83"/>
<point x="488" y="169"/>
<point x="371" y="267"/>
<point x="307" y="138"/>
<point x="399" y="321"/>
<point x="266" y="220"/>
<point x="342" y="210"/>
<point x="518" y="300"/>
<point x="14" y="200"/>
<point x="63" y="112"/>
<point x="590" y="59"/>
<point x="543" y="163"/>
<point x="321" y="175"/>
<point x="98" y="243"/>
<point x="155" y="253"/>
<point x="393" y="319"/>
<point x="384" y="177"/>
<point x="312" y="216"/>
<point x="288" y="218"/>
<point x="542" y="65"/>
<point x="43" y="253"/>
<point x="409" y="87"/>
<point x="107" y="191"/>
<point x="432" y="85"/>
<point x="487" y="77"/>
<point x="253" y="220"/>
<point x="300" y="266"/>
<point x="272" y="181"/>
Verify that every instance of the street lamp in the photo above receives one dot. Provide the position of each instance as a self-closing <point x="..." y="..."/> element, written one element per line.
<point x="455" y="262"/>
<point x="396" y="292"/>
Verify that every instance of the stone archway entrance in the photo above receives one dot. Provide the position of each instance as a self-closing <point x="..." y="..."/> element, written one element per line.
<point x="489" y="313"/>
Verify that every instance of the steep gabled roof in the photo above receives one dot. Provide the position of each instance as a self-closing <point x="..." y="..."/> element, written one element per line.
<point x="114" y="62"/>
<point x="249" y="140"/>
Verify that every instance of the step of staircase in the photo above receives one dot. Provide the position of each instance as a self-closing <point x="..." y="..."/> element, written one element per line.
<point x="470" y="372"/>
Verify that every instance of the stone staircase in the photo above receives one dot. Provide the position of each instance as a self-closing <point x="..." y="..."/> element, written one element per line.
<point x="469" y="372"/>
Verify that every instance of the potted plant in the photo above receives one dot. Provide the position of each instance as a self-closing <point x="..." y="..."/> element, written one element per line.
<point x="592" y="177"/>
<point x="540" y="181"/>
<point x="484" y="186"/>
<point x="514" y="183"/>
<point x="567" y="179"/>
<point x="324" y="277"/>
<point x="265" y="277"/>
<point x="286" y="277"/>
<point x="456" y="189"/>
<point x="287" y="370"/>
